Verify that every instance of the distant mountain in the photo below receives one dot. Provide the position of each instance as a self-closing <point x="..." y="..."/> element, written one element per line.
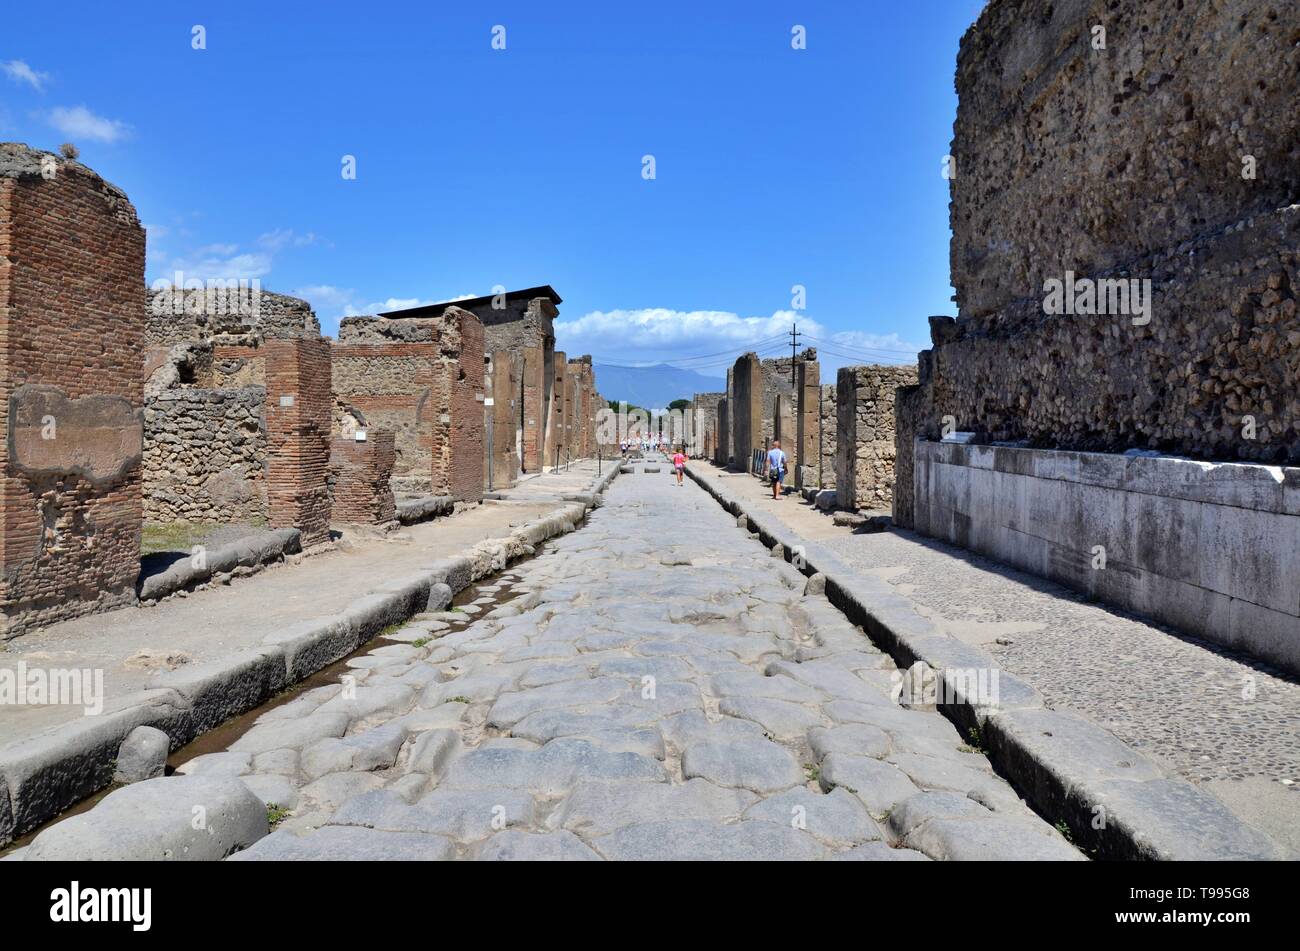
<point x="654" y="387"/>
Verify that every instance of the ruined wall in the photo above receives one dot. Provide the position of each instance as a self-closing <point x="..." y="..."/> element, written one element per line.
<point x="389" y="382"/>
<point x="71" y="351"/>
<point x="778" y="382"/>
<point x="205" y="455"/>
<point x="361" y="475"/>
<point x="722" y="450"/>
<point x="828" y="439"/>
<point x="456" y="399"/>
<point x="299" y="415"/>
<point x="235" y="315"/>
<point x="1124" y="164"/>
<point x="1070" y="157"/>
<point x="747" y="417"/>
<point x="503" y="454"/>
<point x="704" y="416"/>
<point x="729" y="420"/>
<point x="865" y="452"/>
<point x="805" y="452"/>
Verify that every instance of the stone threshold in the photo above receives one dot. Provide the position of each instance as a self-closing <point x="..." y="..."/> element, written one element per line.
<point x="44" y="774"/>
<point x="1117" y="804"/>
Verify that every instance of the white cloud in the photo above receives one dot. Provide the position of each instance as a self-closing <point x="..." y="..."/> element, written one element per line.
<point x="220" y="263"/>
<point x="80" y="123"/>
<point x="20" y="72"/>
<point x="709" y="340"/>
<point x="282" y="238"/>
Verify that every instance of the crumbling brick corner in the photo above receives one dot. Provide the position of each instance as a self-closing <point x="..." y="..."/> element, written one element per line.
<point x="360" y="475"/>
<point x="808" y="437"/>
<point x="72" y="310"/>
<point x="456" y="404"/>
<point x="299" y="411"/>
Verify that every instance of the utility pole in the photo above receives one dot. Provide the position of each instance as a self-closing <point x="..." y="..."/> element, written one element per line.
<point x="794" y="350"/>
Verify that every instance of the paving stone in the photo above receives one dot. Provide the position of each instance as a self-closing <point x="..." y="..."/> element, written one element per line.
<point x="879" y="852"/>
<point x="853" y="739"/>
<point x="373" y="749"/>
<point x="836" y="818"/>
<point x="293" y="733"/>
<point x="700" y="840"/>
<point x="463" y="815"/>
<point x="217" y="764"/>
<point x="991" y="839"/>
<point x="272" y="789"/>
<point x="779" y="718"/>
<point x="756" y="764"/>
<point x="923" y="807"/>
<point x="756" y="685"/>
<point x="692" y="726"/>
<point x="594" y="809"/>
<point x="879" y="785"/>
<point x="349" y="844"/>
<point x="510" y="708"/>
<point x="326" y="794"/>
<point x="549" y="771"/>
<point x="514" y="845"/>
<point x="432" y="751"/>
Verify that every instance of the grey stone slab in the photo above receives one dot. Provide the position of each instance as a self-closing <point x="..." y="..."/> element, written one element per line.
<point x="432" y="750"/>
<point x="830" y="679"/>
<point x="510" y="708"/>
<point x="272" y="789"/>
<point x="701" y="840"/>
<point x="991" y="839"/>
<point x="756" y="685"/>
<point x="549" y="771"/>
<point x="853" y="739"/>
<point x="217" y="764"/>
<point x="879" y="852"/>
<point x="879" y="785"/>
<point x="349" y="844"/>
<point x="292" y="733"/>
<point x="464" y="815"/>
<point x="514" y="845"/>
<point x="779" y="718"/>
<point x="756" y="764"/>
<point x="331" y="791"/>
<point x="692" y="726"/>
<point x="836" y="818"/>
<point x="939" y="804"/>
<point x="372" y="749"/>
<point x="596" y="808"/>
<point x="156" y="820"/>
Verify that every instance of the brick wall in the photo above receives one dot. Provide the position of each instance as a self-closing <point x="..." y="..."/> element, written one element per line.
<point x="747" y="417"/>
<point x="299" y="413"/>
<point x="360" y="479"/>
<point x="504" y="414"/>
<point x="71" y="351"/>
<point x="456" y="400"/>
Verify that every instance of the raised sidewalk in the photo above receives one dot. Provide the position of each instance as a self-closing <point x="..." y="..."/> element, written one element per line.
<point x="1145" y="744"/>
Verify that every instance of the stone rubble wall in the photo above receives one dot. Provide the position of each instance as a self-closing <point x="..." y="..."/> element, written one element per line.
<point x="865" y="450"/>
<point x="1069" y="157"/>
<point x="205" y="456"/>
<point x="228" y="315"/>
<point x="705" y="409"/>
<point x="72" y="345"/>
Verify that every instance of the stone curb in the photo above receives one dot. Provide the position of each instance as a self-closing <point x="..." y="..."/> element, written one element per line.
<point x="254" y="551"/>
<point x="1069" y="769"/>
<point x="42" y="775"/>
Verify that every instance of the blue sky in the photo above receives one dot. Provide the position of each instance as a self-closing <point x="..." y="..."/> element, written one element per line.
<point x="477" y="167"/>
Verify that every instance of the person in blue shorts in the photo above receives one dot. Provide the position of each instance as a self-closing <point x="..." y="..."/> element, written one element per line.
<point x="776" y="468"/>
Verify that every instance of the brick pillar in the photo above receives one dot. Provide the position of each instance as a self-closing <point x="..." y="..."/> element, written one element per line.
<point x="721" y="449"/>
<point x="361" y="474"/>
<point x="555" y="422"/>
<point x="299" y="407"/>
<point x="457" y="397"/>
<point x="807" y="425"/>
<point x="533" y="394"/>
<point x="747" y="417"/>
<point x="72" y="321"/>
<point x="505" y="419"/>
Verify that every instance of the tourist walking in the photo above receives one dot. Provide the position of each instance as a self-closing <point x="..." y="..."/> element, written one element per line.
<point x="776" y="468"/>
<point x="679" y="464"/>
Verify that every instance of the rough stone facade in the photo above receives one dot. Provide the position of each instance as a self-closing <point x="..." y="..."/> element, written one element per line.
<point x="828" y="438"/>
<point x="1070" y="157"/>
<point x="1137" y="174"/>
<point x="205" y="455"/>
<point x="705" y="409"/>
<point x="807" y="445"/>
<point x="230" y="315"/>
<point x="72" y="310"/>
<point x="864" y="465"/>
<point x="361" y="475"/>
<point x="722" y="449"/>
<point x="299" y="414"/>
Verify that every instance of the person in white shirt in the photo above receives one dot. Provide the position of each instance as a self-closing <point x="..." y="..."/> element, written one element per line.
<point x="775" y="468"/>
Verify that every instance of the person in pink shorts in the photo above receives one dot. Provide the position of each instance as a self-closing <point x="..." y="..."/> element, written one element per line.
<point x="679" y="464"/>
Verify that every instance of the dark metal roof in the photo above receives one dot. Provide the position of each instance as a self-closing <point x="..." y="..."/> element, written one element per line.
<point x="429" y="310"/>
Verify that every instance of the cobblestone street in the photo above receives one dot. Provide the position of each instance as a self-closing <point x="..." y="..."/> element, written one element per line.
<point x="653" y="686"/>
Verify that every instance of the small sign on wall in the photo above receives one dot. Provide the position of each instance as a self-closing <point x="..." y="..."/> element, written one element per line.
<point x="361" y="435"/>
<point x="444" y="418"/>
<point x="479" y="397"/>
<point x="286" y="400"/>
<point x="489" y="402"/>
